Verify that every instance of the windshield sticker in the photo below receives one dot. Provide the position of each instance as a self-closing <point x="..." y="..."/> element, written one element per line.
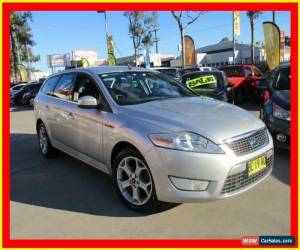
<point x="202" y="80"/>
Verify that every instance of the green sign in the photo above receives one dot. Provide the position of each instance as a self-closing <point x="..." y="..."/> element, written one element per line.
<point x="200" y="81"/>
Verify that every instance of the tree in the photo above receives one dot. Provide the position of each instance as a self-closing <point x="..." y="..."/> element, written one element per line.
<point x="136" y="30"/>
<point x="21" y="42"/>
<point x="252" y="16"/>
<point x="147" y="40"/>
<point x="151" y="22"/>
<point x="179" y="17"/>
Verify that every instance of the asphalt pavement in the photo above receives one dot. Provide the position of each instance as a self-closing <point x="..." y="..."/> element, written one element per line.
<point x="63" y="198"/>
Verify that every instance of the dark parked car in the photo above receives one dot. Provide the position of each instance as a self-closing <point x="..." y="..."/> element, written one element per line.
<point x="275" y="111"/>
<point x="244" y="79"/>
<point x="16" y="98"/>
<point x="195" y="68"/>
<point x="172" y="72"/>
<point x="28" y="97"/>
<point x="209" y="83"/>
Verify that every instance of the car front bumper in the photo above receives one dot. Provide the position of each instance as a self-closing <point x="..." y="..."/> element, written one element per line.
<point x="279" y="127"/>
<point x="218" y="169"/>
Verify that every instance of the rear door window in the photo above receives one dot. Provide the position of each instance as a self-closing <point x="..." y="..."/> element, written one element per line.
<point x="49" y="85"/>
<point x="64" y="87"/>
<point x="248" y="72"/>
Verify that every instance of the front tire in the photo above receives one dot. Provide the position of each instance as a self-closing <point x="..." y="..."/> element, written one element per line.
<point x="31" y="102"/>
<point x="239" y="96"/>
<point x="45" y="146"/>
<point x="133" y="181"/>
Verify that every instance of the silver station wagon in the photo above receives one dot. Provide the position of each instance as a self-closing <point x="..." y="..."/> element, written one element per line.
<point x="158" y="140"/>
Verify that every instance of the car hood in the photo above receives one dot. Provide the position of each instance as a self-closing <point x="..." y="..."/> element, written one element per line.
<point x="282" y="98"/>
<point x="213" y="119"/>
<point x="214" y="93"/>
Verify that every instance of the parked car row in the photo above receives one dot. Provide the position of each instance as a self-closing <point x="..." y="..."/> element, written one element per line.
<point x="242" y="79"/>
<point x="24" y="94"/>
<point x="232" y="83"/>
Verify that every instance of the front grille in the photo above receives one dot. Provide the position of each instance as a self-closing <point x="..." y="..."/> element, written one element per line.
<point x="241" y="180"/>
<point x="249" y="143"/>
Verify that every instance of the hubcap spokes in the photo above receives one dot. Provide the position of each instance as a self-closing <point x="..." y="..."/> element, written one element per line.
<point x="134" y="180"/>
<point x="43" y="140"/>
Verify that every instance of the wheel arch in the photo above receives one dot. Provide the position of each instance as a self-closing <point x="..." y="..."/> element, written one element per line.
<point x="118" y="147"/>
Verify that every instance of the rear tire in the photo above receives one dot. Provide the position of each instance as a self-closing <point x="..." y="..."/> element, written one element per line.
<point x="45" y="146"/>
<point x="133" y="181"/>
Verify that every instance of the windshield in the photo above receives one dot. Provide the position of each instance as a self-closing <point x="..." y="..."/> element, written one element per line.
<point x="233" y="71"/>
<point x="169" y="72"/>
<point x="282" y="80"/>
<point x="202" y="81"/>
<point x="18" y="87"/>
<point x="128" y="88"/>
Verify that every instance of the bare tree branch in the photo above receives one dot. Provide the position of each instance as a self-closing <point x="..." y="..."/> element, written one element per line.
<point x="193" y="19"/>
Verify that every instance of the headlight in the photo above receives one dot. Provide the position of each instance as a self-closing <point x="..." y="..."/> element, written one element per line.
<point x="281" y="113"/>
<point x="185" y="141"/>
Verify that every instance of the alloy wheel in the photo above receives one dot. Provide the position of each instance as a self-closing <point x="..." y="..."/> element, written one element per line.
<point x="134" y="180"/>
<point x="43" y="139"/>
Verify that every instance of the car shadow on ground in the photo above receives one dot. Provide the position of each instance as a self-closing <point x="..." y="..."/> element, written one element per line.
<point x="63" y="182"/>
<point x="20" y="108"/>
<point x="281" y="169"/>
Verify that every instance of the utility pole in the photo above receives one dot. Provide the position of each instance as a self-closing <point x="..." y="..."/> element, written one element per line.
<point x="233" y="40"/>
<point x="273" y="16"/>
<point x="156" y="39"/>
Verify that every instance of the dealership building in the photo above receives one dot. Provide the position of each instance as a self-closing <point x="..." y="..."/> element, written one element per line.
<point x="222" y="54"/>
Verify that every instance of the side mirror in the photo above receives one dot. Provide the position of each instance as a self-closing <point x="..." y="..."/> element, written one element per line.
<point x="87" y="102"/>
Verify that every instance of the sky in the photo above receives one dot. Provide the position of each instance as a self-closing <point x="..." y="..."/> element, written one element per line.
<point x="62" y="31"/>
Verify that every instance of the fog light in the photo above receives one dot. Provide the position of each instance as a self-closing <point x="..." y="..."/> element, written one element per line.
<point x="189" y="184"/>
<point x="281" y="138"/>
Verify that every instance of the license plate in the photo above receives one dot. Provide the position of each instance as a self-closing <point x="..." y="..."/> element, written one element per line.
<point x="257" y="165"/>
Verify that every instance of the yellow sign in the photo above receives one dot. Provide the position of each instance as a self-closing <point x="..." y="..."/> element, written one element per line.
<point x="23" y="72"/>
<point x="85" y="62"/>
<point x="202" y="80"/>
<point x="272" y="44"/>
<point x="236" y="23"/>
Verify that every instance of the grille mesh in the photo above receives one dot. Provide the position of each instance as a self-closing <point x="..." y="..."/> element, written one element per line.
<point x="238" y="181"/>
<point x="245" y="145"/>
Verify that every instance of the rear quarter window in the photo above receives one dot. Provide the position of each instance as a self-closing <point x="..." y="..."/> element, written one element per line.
<point x="49" y="85"/>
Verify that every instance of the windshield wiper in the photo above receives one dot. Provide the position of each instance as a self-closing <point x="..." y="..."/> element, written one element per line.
<point x="157" y="99"/>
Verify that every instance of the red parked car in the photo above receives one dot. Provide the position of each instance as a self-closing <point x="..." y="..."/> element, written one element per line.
<point x="244" y="79"/>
